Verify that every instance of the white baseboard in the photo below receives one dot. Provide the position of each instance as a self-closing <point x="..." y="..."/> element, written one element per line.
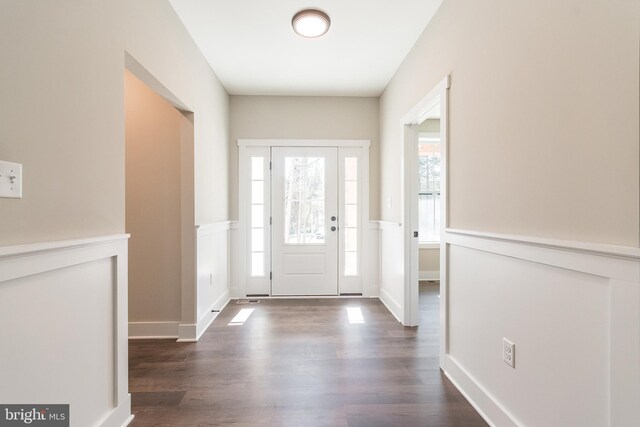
<point x="392" y="305"/>
<point x="607" y="278"/>
<point x="119" y="416"/>
<point x="482" y="401"/>
<point x="58" y="283"/>
<point x="429" y="275"/>
<point x="153" y="330"/>
<point x="191" y="332"/>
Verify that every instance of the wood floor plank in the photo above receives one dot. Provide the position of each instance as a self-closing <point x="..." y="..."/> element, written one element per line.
<point x="300" y="363"/>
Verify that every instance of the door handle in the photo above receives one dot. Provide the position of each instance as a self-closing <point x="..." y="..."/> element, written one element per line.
<point x="333" y="228"/>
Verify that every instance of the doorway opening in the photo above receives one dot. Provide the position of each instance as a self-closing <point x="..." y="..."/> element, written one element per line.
<point x="303" y="207"/>
<point x="424" y="206"/>
<point x="159" y="206"/>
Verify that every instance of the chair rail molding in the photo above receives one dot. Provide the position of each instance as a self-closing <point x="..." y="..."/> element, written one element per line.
<point x="588" y="294"/>
<point x="74" y="293"/>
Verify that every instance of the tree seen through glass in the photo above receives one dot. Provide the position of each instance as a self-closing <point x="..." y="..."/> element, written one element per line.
<point x="304" y="200"/>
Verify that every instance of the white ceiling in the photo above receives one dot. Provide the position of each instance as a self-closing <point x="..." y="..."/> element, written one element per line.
<point x="254" y="51"/>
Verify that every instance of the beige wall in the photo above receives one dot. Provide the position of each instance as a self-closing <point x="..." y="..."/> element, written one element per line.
<point x="429" y="259"/>
<point x="543" y="116"/>
<point x="62" y="109"/>
<point x="289" y="117"/>
<point x="430" y="125"/>
<point x="152" y="150"/>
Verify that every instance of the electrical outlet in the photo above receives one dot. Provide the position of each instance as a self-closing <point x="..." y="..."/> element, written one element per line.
<point x="211" y="279"/>
<point x="509" y="352"/>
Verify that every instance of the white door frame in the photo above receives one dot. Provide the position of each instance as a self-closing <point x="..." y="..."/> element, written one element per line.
<point x="243" y="193"/>
<point x="436" y="99"/>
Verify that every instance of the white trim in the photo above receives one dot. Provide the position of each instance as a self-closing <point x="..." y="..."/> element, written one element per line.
<point x="434" y="104"/>
<point x="429" y="275"/>
<point x="619" y="265"/>
<point x="28" y="260"/>
<point x="249" y="284"/>
<point x="153" y="330"/>
<point x="482" y="401"/>
<point x="120" y="416"/>
<point x="363" y="143"/>
<point x="214" y="227"/>
<point x="632" y="253"/>
<point x="260" y="297"/>
<point x="428" y="106"/>
<point x="64" y="245"/>
<point x="392" y="305"/>
<point x="354" y="284"/>
<point x="390" y="266"/>
<point x="239" y="267"/>
<point x="191" y="332"/>
<point x="388" y="225"/>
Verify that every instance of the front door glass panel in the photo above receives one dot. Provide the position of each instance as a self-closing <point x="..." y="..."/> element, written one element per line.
<point x="304" y="200"/>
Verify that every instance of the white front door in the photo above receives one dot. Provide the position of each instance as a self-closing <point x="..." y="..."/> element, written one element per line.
<point x="305" y="226"/>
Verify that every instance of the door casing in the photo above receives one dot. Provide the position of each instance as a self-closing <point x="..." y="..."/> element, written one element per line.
<point x="368" y="259"/>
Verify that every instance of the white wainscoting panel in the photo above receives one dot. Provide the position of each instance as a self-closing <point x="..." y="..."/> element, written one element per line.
<point x="392" y="268"/>
<point x="235" y="266"/>
<point x="573" y="312"/>
<point x="63" y="311"/>
<point x="371" y="261"/>
<point x="212" y="276"/>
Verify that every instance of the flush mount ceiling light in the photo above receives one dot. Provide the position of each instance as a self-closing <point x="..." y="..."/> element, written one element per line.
<point x="311" y="23"/>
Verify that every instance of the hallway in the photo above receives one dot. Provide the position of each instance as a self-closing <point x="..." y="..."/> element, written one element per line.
<point x="300" y="362"/>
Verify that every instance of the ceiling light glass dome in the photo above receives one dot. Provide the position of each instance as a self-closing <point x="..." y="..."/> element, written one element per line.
<point x="311" y="23"/>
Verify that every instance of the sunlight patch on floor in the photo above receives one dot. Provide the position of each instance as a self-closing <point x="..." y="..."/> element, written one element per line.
<point x="355" y="315"/>
<point x="241" y="317"/>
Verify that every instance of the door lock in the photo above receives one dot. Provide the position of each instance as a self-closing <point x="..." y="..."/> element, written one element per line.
<point x="333" y="218"/>
<point x="415" y="234"/>
<point x="333" y="228"/>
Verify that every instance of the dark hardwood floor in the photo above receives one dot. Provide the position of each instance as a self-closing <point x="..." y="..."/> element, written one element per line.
<point x="300" y="363"/>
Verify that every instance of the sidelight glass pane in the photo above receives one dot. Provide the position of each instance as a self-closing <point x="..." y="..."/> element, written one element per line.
<point x="257" y="192"/>
<point x="257" y="216"/>
<point x="351" y="192"/>
<point x="351" y="264"/>
<point x="304" y="204"/>
<point x="350" y="232"/>
<point x="351" y="216"/>
<point x="257" y="264"/>
<point x="257" y="239"/>
<point x="351" y="240"/>
<point x="351" y="169"/>
<point x="257" y="168"/>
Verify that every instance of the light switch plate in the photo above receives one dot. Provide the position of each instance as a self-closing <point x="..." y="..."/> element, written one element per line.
<point x="10" y="180"/>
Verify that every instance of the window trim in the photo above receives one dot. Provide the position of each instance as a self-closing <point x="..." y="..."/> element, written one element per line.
<point x="429" y="138"/>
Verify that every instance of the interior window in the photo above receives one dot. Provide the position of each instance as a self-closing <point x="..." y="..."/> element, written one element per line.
<point x="429" y="201"/>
